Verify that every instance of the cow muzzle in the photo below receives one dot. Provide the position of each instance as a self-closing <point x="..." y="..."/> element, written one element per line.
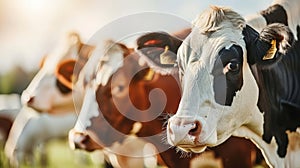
<point x="179" y="130"/>
<point x="81" y="140"/>
<point x="184" y="133"/>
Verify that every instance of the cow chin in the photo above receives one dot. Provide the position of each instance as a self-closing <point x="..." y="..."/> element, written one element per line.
<point x="202" y="143"/>
<point x="194" y="149"/>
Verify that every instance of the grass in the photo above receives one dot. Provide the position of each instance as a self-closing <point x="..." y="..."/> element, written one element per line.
<point x="59" y="156"/>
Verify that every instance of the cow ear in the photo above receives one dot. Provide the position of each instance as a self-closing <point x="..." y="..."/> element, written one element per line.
<point x="74" y="38"/>
<point x="159" y="50"/>
<point x="279" y="36"/>
<point x="266" y="47"/>
<point x="42" y="62"/>
<point x="64" y="73"/>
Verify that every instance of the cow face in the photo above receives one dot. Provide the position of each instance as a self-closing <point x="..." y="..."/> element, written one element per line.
<point x="100" y="86"/>
<point x="130" y="93"/>
<point x="50" y="90"/>
<point x="220" y="93"/>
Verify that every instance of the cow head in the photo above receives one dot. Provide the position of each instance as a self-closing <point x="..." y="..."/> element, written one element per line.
<point x="50" y="90"/>
<point x="126" y="92"/>
<point x="220" y="93"/>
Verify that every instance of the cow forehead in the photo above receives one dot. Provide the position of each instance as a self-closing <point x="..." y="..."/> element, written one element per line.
<point x="108" y="66"/>
<point x="206" y="48"/>
<point x="103" y="63"/>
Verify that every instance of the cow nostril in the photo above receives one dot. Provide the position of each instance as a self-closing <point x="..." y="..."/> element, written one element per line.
<point x="195" y="131"/>
<point x="80" y="140"/>
<point x="77" y="145"/>
<point x="30" y="100"/>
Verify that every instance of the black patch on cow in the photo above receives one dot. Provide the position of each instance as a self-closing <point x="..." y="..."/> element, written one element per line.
<point x="62" y="88"/>
<point x="255" y="46"/>
<point x="226" y="85"/>
<point x="279" y="96"/>
<point x="275" y="14"/>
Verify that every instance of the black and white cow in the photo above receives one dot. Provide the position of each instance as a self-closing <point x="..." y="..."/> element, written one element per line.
<point x="279" y="102"/>
<point x="231" y="74"/>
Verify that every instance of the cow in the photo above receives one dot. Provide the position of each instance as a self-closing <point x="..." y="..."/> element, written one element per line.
<point x="48" y="111"/>
<point x="279" y="12"/>
<point x="119" y="90"/>
<point x="238" y="82"/>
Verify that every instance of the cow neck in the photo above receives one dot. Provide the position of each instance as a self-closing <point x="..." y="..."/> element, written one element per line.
<point x="62" y="109"/>
<point x="269" y="151"/>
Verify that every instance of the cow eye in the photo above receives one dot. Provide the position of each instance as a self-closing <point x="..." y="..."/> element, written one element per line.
<point x="233" y="65"/>
<point x="117" y="89"/>
<point x="62" y="88"/>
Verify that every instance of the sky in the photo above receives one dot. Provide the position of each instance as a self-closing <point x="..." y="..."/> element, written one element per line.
<point x="30" y="29"/>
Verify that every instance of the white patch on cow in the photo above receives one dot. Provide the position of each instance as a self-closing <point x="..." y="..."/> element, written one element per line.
<point x="137" y="126"/>
<point x="89" y="110"/>
<point x="132" y="152"/>
<point x="109" y="63"/>
<point x="150" y="158"/>
<point x="106" y="59"/>
<point x="10" y="101"/>
<point x="292" y="9"/>
<point x="31" y="129"/>
<point x="47" y="97"/>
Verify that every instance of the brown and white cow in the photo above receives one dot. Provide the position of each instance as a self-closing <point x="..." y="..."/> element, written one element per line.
<point x="225" y="68"/>
<point x="122" y="94"/>
<point x="48" y="110"/>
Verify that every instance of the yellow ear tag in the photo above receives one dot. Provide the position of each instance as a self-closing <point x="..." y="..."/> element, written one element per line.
<point x="73" y="78"/>
<point x="271" y="52"/>
<point x="165" y="59"/>
<point x="150" y="74"/>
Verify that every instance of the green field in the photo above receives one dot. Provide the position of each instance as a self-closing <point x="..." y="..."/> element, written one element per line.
<point x="59" y="156"/>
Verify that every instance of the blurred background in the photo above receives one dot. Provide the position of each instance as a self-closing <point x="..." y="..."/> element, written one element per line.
<point x="30" y="29"/>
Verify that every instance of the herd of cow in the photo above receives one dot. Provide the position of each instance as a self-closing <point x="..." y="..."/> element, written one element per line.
<point x="218" y="87"/>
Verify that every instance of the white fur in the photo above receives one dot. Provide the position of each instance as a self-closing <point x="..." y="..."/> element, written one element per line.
<point x="107" y="57"/>
<point x="293" y="11"/>
<point x="10" y="101"/>
<point x="111" y="61"/>
<point x="30" y="129"/>
<point x="133" y="152"/>
<point x="88" y="111"/>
